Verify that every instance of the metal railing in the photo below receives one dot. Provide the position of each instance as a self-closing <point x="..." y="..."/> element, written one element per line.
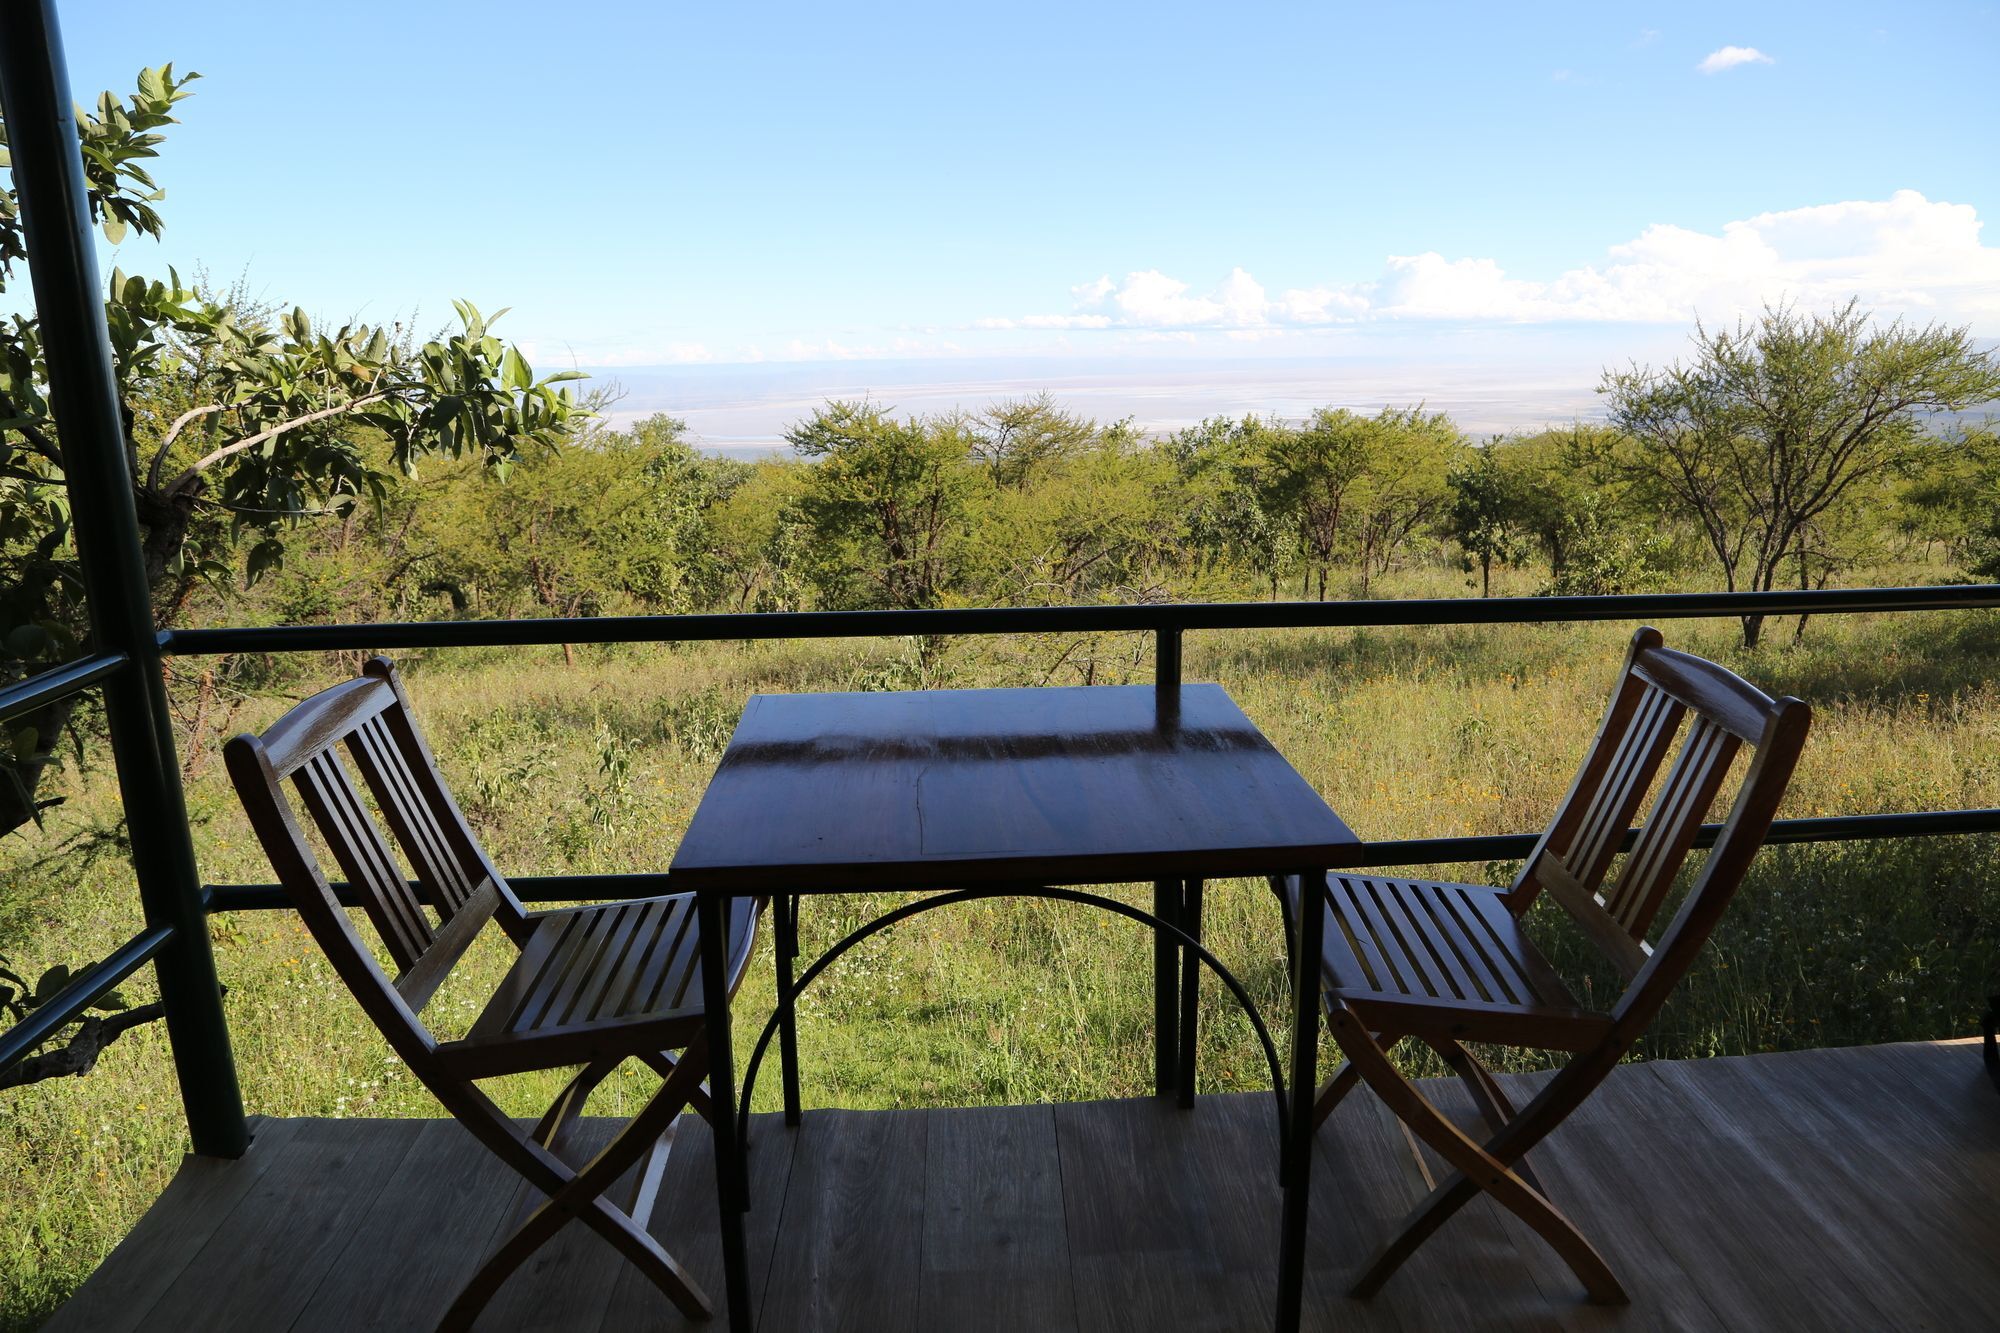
<point x="1168" y="622"/>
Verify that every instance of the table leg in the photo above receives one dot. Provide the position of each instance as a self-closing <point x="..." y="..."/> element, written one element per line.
<point x="1166" y="989"/>
<point x="732" y="1175"/>
<point x="1296" y="1167"/>
<point x="785" y="907"/>
<point x="1190" y="989"/>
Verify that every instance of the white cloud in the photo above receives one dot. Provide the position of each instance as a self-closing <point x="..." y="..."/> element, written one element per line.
<point x="1729" y="57"/>
<point x="1090" y="293"/>
<point x="1903" y="255"/>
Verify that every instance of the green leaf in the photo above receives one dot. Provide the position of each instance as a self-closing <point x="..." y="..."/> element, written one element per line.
<point x="114" y="228"/>
<point x="51" y="983"/>
<point x="514" y="372"/>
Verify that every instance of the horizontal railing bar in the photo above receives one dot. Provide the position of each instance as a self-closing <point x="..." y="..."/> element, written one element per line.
<point x="1821" y="828"/>
<point x="528" y="888"/>
<point x="84" y="989"/>
<point x="25" y="696"/>
<point x="1401" y="852"/>
<point x="1070" y="619"/>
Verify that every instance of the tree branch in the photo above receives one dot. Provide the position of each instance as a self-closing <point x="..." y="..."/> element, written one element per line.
<point x="188" y="477"/>
<point x="79" y="1057"/>
<point x="180" y="424"/>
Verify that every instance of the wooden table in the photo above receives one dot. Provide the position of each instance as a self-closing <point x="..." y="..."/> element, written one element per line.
<point x="1024" y="789"/>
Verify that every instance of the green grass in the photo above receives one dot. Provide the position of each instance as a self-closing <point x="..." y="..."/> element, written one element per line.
<point x="1407" y="732"/>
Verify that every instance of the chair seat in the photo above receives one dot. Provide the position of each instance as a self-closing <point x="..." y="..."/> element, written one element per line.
<point x="1447" y="959"/>
<point x="599" y="980"/>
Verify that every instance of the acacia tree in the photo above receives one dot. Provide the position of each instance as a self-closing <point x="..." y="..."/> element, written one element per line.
<point x="1774" y="424"/>
<point x="1404" y="487"/>
<point x="238" y="428"/>
<point x="1309" y="473"/>
<point x="1019" y="439"/>
<point x="893" y="500"/>
<point x="1226" y="520"/>
<point x="1482" y="516"/>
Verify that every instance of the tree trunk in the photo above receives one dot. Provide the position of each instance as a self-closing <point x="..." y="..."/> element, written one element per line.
<point x="1805" y="585"/>
<point x="1486" y="576"/>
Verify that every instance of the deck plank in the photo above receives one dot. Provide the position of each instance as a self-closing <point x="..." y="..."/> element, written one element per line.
<point x="1171" y="1216"/>
<point x="260" y="1267"/>
<point x="199" y="1199"/>
<point x="1813" y="1189"/>
<point x="853" y="1225"/>
<point x="995" y="1245"/>
<point x="409" y="1279"/>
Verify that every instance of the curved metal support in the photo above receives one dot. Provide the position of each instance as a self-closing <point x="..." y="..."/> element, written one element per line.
<point x="956" y="896"/>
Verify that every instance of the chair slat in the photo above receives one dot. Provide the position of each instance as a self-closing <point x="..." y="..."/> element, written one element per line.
<point x="442" y="874"/>
<point x="678" y="975"/>
<point x="595" y="948"/>
<point x="1360" y="935"/>
<point x="1637" y="758"/>
<point x="569" y="964"/>
<point x="640" y="930"/>
<point x="506" y="1003"/>
<point x="1501" y="980"/>
<point x="365" y="858"/>
<point x="660" y="951"/>
<point x="1371" y="921"/>
<point x="1442" y="934"/>
<point x="1414" y="940"/>
<point x="1684" y="800"/>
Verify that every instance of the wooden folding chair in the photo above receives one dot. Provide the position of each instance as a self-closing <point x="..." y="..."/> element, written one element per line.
<point x="592" y="987"/>
<point x="1449" y="963"/>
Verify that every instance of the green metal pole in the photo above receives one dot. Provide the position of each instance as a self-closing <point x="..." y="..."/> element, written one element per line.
<point x="83" y="394"/>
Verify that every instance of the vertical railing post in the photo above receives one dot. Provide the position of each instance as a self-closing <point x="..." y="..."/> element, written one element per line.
<point x="1167" y="672"/>
<point x="83" y="395"/>
<point x="1167" y="900"/>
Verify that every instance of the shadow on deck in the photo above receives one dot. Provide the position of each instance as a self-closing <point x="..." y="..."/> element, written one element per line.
<point x="1822" y="1189"/>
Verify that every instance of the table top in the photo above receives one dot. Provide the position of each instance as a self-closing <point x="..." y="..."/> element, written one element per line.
<point x="962" y="788"/>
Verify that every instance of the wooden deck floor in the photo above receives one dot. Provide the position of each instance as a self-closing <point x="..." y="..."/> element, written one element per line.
<point x="1845" y="1189"/>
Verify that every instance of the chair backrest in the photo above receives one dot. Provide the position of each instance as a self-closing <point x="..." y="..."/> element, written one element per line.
<point x="1663" y="696"/>
<point x="425" y="925"/>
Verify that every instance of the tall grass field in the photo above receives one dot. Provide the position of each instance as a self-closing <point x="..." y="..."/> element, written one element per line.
<point x="597" y="766"/>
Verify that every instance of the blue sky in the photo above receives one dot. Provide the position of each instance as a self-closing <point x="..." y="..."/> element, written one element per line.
<point x="666" y="184"/>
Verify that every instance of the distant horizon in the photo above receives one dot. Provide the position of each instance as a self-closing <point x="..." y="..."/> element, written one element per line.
<point x="743" y="409"/>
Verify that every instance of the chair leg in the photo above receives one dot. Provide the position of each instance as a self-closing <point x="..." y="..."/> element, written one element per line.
<point x="1345" y="1078"/>
<point x="578" y="1194"/>
<point x="664" y="1063"/>
<point x="1477" y="1169"/>
<point x="1487" y="1095"/>
<point x="568" y="1104"/>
